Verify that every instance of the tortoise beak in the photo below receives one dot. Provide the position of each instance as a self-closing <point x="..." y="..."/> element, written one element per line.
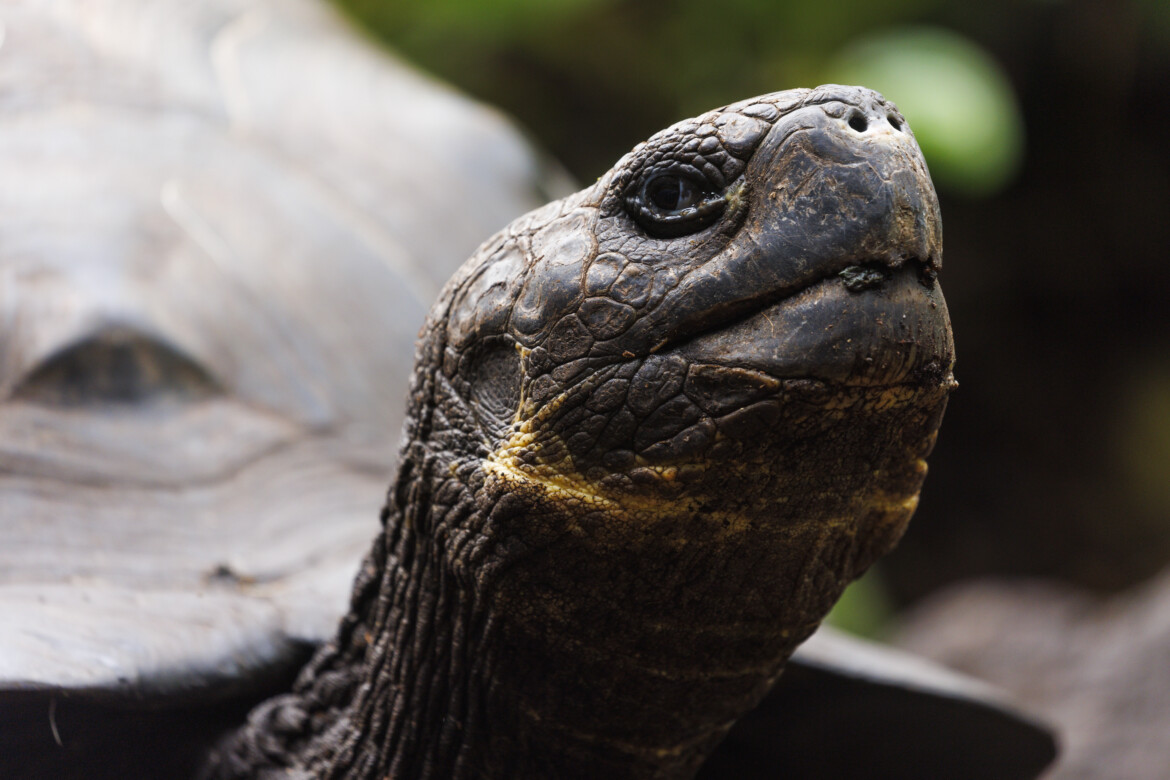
<point x="832" y="275"/>
<point x="845" y="183"/>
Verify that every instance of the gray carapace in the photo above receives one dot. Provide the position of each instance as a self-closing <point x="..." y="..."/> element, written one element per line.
<point x="223" y="223"/>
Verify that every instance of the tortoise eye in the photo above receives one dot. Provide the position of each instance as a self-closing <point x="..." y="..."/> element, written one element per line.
<point x="671" y="193"/>
<point x="674" y="203"/>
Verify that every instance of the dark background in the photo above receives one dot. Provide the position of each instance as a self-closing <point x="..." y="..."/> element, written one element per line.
<point x="1047" y="128"/>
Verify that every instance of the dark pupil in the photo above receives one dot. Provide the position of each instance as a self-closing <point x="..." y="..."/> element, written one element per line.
<point x="671" y="193"/>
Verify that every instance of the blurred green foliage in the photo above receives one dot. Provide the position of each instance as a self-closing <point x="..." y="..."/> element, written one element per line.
<point x="1157" y="14"/>
<point x="864" y="608"/>
<point x="590" y="77"/>
<point x="955" y="96"/>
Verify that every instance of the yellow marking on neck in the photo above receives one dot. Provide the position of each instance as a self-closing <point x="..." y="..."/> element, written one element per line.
<point x="549" y="480"/>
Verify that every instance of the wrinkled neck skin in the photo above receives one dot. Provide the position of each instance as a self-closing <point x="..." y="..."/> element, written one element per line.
<point x="506" y="626"/>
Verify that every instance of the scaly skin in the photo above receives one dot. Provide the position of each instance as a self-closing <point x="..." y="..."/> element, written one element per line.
<point x="646" y="450"/>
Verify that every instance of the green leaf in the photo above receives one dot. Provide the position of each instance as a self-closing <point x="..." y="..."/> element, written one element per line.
<point x="864" y="608"/>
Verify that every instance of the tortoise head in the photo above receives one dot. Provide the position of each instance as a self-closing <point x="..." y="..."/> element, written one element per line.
<point x="692" y="402"/>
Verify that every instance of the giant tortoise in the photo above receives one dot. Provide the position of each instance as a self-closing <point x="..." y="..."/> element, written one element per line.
<point x="222" y="224"/>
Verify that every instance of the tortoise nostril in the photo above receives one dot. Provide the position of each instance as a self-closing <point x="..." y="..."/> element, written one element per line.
<point x="894" y="122"/>
<point x="858" y="122"/>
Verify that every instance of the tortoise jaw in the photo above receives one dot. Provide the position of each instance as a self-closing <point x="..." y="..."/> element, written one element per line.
<point x="856" y="274"/>
<point x="868" y="324"/>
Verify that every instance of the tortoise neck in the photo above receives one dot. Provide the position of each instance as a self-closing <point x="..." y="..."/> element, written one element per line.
<point x="497" y="633"/>
<point x="434" y="675"/>
<point x="453" y="681"/>
<point x="420" y="704"/>
<point x="398" y="692"/>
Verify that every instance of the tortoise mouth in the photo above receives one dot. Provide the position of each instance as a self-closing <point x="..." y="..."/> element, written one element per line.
<point x="866" y="323"/>
<point x="856" y="274"/>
